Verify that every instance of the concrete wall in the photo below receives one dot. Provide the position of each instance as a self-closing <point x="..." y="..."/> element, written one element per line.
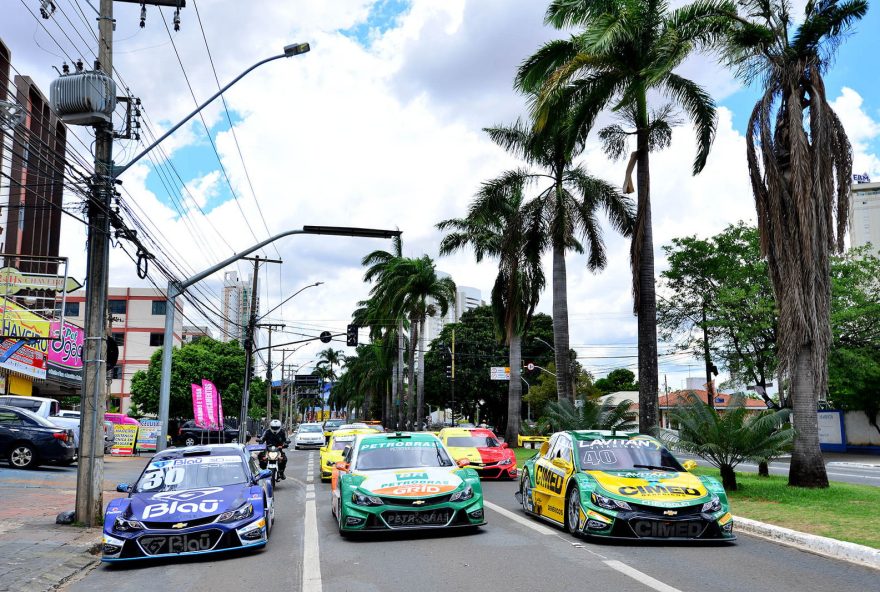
<point x="858" y="431"/>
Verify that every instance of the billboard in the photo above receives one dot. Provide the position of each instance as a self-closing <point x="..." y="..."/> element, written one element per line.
<point x="65" y="353"/>
<point x="16" y="352"/>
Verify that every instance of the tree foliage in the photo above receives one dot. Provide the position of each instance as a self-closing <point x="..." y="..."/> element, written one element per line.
<point x="589" y="415"/>
<point x="620" y="379"/>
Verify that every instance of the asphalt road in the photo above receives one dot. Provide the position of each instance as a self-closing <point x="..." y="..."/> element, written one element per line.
<point x="860" y="473"/>
<point x="512" y="552"/>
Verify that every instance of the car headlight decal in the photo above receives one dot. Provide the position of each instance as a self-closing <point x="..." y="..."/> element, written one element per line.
<point x="123" y="525"/>
<point x="609" y="503"/>
<point x="245" y="511"/>
<point x="361" y="499"/>
<point x="465" y="494"/>
<point x="505" y="462"/>
<point x="713" y="505"/>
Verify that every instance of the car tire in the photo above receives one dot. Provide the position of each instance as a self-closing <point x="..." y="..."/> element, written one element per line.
<point x="189" y="441"/>
<point x="525" y="492"/>
<point x="572" y="509"/>
<point x="23" y="456"/>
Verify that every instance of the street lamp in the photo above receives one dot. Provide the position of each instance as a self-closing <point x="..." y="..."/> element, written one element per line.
<point x="176" y="288"/>
<point x="545" y="343"/>
<point x="288" y="299"/>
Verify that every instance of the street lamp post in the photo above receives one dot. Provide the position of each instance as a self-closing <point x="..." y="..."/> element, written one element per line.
<point x="176" y="288"/>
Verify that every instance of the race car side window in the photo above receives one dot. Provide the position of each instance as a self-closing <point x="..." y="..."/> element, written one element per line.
<point x="564" y="449"/>
<point x="552" y="446"/>
<point x="557" y="448"/>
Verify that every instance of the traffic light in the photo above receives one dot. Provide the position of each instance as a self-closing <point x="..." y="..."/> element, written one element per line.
<point x="351" y="336"/>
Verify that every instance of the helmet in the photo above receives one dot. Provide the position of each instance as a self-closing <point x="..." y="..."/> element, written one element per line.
<point x="275" y="425"/>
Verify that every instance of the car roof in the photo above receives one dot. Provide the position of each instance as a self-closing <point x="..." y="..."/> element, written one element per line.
<point x="353" y="432"/>
<point x="42" y="421"/>
<point x="202" y="450"/>
<point x="455" y="432"/>
<point x="398" y="437"/>
<point x="587" y="435"/>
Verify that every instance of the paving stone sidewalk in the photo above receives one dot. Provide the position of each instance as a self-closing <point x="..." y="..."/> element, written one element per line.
<point x="37" y="555"/>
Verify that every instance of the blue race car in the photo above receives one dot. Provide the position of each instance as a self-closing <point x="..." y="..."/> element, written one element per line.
<point x="189" y="501"/>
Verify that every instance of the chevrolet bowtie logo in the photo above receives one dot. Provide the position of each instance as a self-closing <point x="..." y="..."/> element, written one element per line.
<point x="670" y="513"/>
<point x="179" y="525"/>
<point x="418" y="502"/>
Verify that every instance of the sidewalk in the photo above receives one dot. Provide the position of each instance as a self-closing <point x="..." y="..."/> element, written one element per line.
<point x="37" y="555"/>
<point x="845" y="458"/>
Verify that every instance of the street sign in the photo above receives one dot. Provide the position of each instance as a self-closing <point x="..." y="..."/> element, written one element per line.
<point x="306" y="380"/>
<point x="530" y="366"/>
<point x="326" y="336"/>
<point x="499" y="373"/>
<point x="13" y="281"/>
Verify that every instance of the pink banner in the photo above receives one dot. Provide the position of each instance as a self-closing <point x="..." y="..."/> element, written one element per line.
<point x="199" y="411"/>
<point x="212" y="407"/>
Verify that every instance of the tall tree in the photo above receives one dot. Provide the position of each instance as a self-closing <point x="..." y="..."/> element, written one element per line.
<point x="626" y="49"/>
<point x="800" y="165"/>
<point x="564" y="211"/>
<point x="498" y="226"/>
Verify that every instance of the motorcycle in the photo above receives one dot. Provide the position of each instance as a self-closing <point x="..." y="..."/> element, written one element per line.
<point x="273" y="457"/>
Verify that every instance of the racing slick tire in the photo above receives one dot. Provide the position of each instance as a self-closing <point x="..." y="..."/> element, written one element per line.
<point x="525" y="492"/>
<point x="572" y="509"/>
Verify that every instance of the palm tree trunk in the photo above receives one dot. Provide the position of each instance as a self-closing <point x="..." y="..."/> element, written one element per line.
<point x="514" y="392"/>
<point x="560" y="325"/>
<point x="411" y="391"/>
<point x="386" y="408"/>
<point x="420" y="404"/>
<point x="389" y="404"/>
<point x="807" y="465"/>
<point x="646" y="297"/>
<point x="400" y="371"/>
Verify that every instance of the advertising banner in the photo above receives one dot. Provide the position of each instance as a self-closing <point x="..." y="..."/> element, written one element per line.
<point x="212" y="404"/>
<point x="499" y="373"/>
<point x="148" y="434"/>
<point x="124" y="436"/>
<point x="20" y="355"/>
<point x="65" y="353"/>
<point x="199" y="412"/>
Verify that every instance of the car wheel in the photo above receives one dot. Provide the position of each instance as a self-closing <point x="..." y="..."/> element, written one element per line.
<point x="525" y="492"/>
<point x="23" y="456"/>
<point x="573" y="509"/>
<point x="189" y="441"/>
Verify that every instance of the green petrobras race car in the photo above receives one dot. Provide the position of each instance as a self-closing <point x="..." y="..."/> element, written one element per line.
<point x="403" y="481"/>
<point x="622" y="485"/>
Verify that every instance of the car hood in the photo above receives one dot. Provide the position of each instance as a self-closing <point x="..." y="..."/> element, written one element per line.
<point x="479" y="455"/>
<point x="188" y="504"/>
<point x="420" y="482"/>
<point x="651" y="487"/>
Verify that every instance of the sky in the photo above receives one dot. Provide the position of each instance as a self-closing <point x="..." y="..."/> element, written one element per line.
<point x="379" y="125"/>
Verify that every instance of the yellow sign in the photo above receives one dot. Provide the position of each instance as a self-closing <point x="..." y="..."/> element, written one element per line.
<point x="124" y="436"/>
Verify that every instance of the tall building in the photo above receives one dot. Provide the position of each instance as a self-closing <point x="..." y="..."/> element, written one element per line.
<point x="466" y="298"/>
<point x="138" y="327"/>
<point x="236" y="306"/>
<point x="864" y="213"/>
<point x="32" y="164"/>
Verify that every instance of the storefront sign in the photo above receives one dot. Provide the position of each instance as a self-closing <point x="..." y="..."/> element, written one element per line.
<point x="16" y="352"/>
<point x="124" y="436"/>
<point x="65" y="353"/>
<point x="148" y="434"/>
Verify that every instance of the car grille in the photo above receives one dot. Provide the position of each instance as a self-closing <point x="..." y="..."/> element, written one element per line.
<point x="162" y="544"/>
<point x="440" y="517"/>
<point x="677" y="529"/>
<point x="657" y="511"/>
<point x="418" y="502"/>
<point x="170" y="525"/>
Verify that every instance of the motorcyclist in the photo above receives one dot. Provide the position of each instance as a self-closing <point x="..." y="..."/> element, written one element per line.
<point x="274" y="436"/>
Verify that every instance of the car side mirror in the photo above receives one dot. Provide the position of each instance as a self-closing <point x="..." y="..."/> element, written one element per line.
<point x="341" y="466"/>
<point x="462" y="462"/>
<point x="123" y="488"/>
<point x="545" y="448"/>
<point x="322" y="449"/>
<point x="561" y="463"/>
<point x="504" y="445"/>
<point x="689" y="465"/>
<point x="264" y="474"/>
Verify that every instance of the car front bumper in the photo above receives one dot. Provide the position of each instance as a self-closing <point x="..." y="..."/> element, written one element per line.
<point x="356" y="518"/>
<point x="655" y="526"/>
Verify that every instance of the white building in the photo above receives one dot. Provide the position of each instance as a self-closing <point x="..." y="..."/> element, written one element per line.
<point x="193" y="332"/>
<point x="864" y="213"/>
<point x="138" y="326"/>
<point x="466" y="298"/>
<point x="236" y="306"/>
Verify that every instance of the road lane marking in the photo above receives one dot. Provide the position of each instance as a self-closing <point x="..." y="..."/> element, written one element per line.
<point x="523" y="520"/>
<point x="311" y="564"/>
<point x="639" y="576"/>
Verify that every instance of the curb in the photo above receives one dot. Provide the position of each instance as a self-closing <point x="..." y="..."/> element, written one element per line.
<point x="827" y="547"/>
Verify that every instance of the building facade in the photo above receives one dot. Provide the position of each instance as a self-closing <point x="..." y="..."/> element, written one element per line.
<point x="236" y="306"/>
<point x="193" y="332"/>
<point x="466" y="298"/>
<point x="138" y="327"/>
<point x="864" y="213"/>
<point x="32" y="165"/>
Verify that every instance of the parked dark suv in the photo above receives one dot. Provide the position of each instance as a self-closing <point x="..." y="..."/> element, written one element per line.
<point x="190" y="434"/>
<point x="28" y="440"/>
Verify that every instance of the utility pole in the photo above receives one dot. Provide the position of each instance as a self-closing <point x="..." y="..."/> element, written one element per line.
<point x="90" y="470"/>
<point x="710" y="391"/>
<point x="452" y="353"/>
<point x="270" y="326"/>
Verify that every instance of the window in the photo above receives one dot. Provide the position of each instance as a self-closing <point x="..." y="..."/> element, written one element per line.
<point x="117" y="306"/>
<point x="71" y="309"/>
<point x="116" y="372"/>
<point x="157" y="339"/>
<point x="119" y="338"/>
<point x="159" y="307"/>
<point x="9" y="418"/>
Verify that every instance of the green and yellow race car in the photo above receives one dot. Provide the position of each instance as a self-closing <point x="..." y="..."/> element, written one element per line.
<point x="622" y="485"/>
<point x="403" y="481"/>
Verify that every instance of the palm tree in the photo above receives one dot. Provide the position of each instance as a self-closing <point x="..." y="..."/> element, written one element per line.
<point x="727" y="439"/>
<point x="497" y="226"/>
<point x="626" y="49"/>
<point x="592" y="415"/>
<point x="411" y="287"/>
<point x="327" y="359"/>
<point x="564" y="211"/>
<point x="800" y="165"/>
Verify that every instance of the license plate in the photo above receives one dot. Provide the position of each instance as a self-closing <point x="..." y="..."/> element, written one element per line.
<point x="682" y="529"/>
<point x="179" y="543"/>
<point x="433" y="518"/>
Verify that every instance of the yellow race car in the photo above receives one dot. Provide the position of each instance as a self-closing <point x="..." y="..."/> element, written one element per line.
<point x="331" y="453"/>
<point x="491" y="458"/>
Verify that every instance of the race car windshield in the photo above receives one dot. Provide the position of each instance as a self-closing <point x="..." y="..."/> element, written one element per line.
<point x="401" y="455"/>
<point x="621" y="455"/>
<point x="310" y="428"/>
<point x="472" y="442"/>
<point x="341" y="443"/>
<point x="191" y="473"/>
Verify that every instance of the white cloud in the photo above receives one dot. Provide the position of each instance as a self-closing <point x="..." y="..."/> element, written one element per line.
<point x="861" y="129"/>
